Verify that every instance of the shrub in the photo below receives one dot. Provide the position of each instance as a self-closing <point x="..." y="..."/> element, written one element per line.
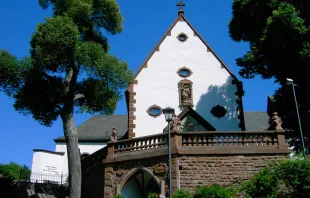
<point x="181" y="193"/>
<point x="214" y="191"/>
<point x="295" y="174"/>
<point x="263" y="184"/>
<point x="118" y="196"/>
<point x="153" y="195"/>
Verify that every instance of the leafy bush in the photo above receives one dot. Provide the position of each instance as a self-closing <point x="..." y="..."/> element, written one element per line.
<point x="214" y="191"/>
<point x="181" y="193"/>
<point x="14" y="171"/>
<point x="295" y="174"/>
<point x="263" y="184"/>
<point x="118" y="196"/>
<point x="153" y="195"/>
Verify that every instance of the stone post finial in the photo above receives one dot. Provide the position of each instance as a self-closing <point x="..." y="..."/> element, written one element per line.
<point x="114" y="134"/>
<point x="276" y="121"/>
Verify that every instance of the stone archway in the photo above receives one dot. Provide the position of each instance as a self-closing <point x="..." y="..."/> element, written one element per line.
<point x="138" y="183"/>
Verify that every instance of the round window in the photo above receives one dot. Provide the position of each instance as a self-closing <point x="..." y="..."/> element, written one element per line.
<point x="154" y="111"/>
<point x="184" y="72"/>
<point x="182" y="37"/>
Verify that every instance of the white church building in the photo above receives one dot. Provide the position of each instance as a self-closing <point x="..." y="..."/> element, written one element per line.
<point x="205" y="94"/>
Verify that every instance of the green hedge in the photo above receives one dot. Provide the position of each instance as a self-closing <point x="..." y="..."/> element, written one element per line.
<point x="181" y="193"/>
<point x="118" y="196"/>
<point x="214" y="191"/>
<point x="290" y="178"/>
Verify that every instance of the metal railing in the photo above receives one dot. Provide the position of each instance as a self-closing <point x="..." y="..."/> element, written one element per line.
<point x="36" y="177"/>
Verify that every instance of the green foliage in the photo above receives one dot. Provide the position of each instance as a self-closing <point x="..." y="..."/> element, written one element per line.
<point x="290" y="178"/>
<point x="263" y="184"/>
<point x="70" y="41"/>
<point x="69" y="69"/>
<point x="13" y="171"/>
<point x="152" y="195"/>
<point x="118" y="196"/>
<point x="278" y="33"/>
<point x="296" y="175"/>
<point x="181" y="193"/>
<point x="215" y="191"/>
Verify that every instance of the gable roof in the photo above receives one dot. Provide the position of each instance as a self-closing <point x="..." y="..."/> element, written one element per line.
<point x="98" y="128"/>
<point x="181" y="17"/>
<point x="196" y="116"/>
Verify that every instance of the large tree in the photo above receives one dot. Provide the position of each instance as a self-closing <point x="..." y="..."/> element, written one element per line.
<point x="278" y="33"/>
<point x="13" y="171"/>
<point x="69" y="70"/>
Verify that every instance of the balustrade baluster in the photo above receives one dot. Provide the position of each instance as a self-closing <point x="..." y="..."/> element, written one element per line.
<point x="265" y="140"/>
<point x="209" y="140"/>
<point x="261" y="139"/>
<point x="230" y="140"/>
<point x="249" y="138"/>
<point x="195" y="140"/>
<point x="269" y="140"/>
<point x="184" y="140"/>
<point x="214" y="141"/>
<point x="225" y="141"/>
<point x="255" y="139"/>
<point x="219" y="140"/>
<point x="235" y="140"/>
<point x="204" y="140"/>
<point x="189" y="141"/>
<point x="199" y="141"/>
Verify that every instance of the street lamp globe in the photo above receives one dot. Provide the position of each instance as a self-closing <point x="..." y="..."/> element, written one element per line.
<point x="289" y="81"/>
<point x="168" y="112"/>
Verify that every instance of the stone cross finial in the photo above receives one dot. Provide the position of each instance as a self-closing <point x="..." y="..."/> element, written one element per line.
<point x="114" y="134"/>
<point x="276" y="121"/>
<point x="180" y="4"/>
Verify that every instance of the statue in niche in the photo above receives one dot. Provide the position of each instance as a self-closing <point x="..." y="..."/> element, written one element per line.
<point x="176" y="123"/>
<point x="185" y="94"/>
<point x="114" y="134"/>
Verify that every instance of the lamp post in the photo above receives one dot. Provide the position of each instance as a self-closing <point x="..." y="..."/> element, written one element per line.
<point x="169" y="112"/>
<point x="291" y="82"/>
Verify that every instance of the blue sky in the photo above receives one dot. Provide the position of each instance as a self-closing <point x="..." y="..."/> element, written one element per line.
<point x="145" y="23"/>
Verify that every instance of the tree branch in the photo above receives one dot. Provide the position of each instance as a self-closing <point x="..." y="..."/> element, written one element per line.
<point x="94" y="18"/>
<point x="48" y="77"/>
<point x="79" y="96"/>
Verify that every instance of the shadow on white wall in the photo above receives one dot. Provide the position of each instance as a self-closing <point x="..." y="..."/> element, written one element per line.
<point x="224" y="96"/>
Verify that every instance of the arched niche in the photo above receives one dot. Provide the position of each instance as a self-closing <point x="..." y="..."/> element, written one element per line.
<point x="185" y="88"/>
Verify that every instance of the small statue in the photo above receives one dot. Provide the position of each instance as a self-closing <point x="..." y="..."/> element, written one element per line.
<point x="114" y="134"/>
<point x="276" y="121"/>
<point x="176" y="123"/>
<point x="186" y="94"/>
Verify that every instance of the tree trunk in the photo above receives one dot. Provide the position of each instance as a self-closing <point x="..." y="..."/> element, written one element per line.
<point x="74" y="162"/>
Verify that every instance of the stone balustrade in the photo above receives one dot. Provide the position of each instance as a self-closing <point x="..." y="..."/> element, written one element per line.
<point x="229" y="142"/>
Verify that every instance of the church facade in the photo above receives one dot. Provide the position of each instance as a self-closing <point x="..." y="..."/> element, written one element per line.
<point x="215" y="141"/>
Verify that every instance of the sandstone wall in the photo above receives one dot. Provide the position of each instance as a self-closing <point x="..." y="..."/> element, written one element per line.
<point x="188" y="172"/>
<point x="224" y="170"/>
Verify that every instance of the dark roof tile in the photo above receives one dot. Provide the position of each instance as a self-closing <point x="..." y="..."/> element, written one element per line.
<point x="98" y="128"/>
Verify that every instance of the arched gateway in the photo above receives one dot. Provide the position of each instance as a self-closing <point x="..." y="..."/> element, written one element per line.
<point x="138" y="183"/>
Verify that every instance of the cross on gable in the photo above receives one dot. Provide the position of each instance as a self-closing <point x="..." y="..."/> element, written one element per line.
<point x="180" y="4"/>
